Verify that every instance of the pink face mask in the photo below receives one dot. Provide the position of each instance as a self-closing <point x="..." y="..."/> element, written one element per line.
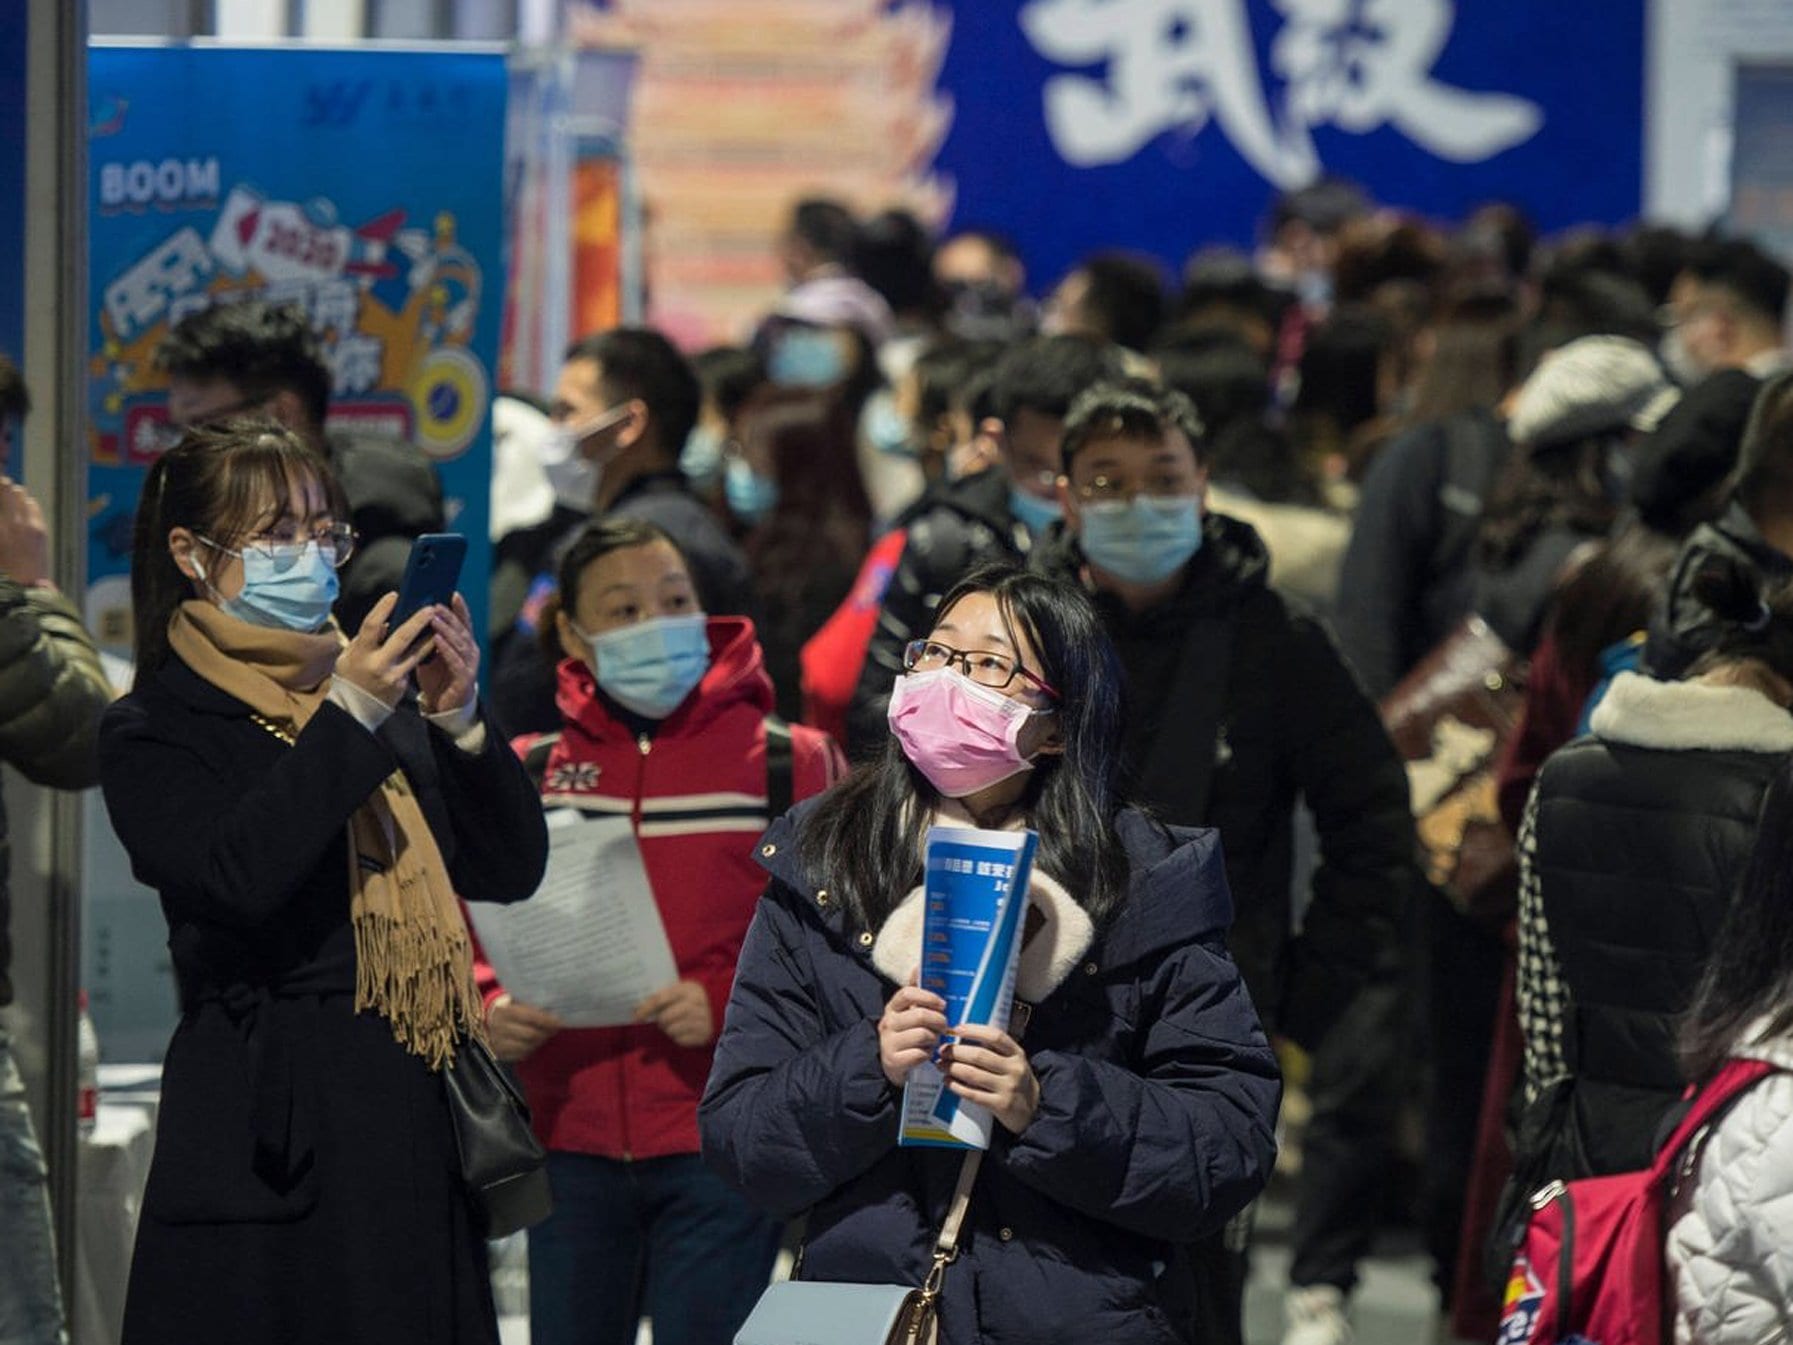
<point x="960" y="735"/>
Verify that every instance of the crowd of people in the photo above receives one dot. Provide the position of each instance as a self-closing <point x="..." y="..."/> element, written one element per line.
<point x="1388" y="633"/>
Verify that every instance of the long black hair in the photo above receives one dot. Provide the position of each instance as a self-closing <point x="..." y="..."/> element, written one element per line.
<point x="223" y="481"/>
<point x="1750" y="972"/>
<point x="865" y="835"/>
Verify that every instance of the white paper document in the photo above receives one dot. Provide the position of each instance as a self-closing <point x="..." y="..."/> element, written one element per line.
<point x="589" y="945"/>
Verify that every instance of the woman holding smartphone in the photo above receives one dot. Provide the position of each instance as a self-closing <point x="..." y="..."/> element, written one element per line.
<point x="308" y="832"/>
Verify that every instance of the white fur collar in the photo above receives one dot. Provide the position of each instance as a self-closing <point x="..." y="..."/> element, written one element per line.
<point x="1683" y="716"/>
<point x="1054" y="946"/>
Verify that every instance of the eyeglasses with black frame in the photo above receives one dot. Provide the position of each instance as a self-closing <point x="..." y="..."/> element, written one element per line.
<point x="986" y="667"/>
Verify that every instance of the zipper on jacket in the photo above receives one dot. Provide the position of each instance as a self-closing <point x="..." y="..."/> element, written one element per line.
<point x="646" y="744"/>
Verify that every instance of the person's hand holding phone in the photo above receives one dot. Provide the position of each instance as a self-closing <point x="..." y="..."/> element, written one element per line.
<point x="450" y="680"/>
<point x="380" y="661"/>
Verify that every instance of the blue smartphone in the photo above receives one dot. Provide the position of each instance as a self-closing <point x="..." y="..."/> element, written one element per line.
<point x="431" y="575"/>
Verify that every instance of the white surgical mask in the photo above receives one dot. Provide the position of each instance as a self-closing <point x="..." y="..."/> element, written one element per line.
<point x="573" y="474"/>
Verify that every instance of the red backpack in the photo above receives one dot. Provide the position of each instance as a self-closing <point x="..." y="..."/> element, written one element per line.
<point x="1589" y="1269"/>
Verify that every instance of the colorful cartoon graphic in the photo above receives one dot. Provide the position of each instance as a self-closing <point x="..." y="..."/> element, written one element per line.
<point x="394" y="308"/>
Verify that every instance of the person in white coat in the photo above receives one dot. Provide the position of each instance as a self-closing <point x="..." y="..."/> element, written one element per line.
<point x="1729" y="1247"/>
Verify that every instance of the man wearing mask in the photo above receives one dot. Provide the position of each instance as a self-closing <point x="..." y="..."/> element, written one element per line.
<point x="817" y="251"/>
<point x="1727" y="310"/>
<point x="993" y="513"/>
<point x="1239" y="704"/>
<point x="624" y="405"/>
<point x="240" y="359"/>
<point x="984" y="283"/>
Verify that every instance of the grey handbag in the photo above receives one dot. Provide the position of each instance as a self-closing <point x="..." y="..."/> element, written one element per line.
<point x="816" y="1312"/>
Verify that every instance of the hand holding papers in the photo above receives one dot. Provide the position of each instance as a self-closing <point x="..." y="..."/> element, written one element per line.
<point x="589" y="946"/>
<point x="976" y="899"/>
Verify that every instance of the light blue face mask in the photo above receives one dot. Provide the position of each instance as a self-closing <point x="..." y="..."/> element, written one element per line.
<point x="285" y="587"/>
<point x="702" y="458"/>
<point x="1142" y="540"/>
<point x="652" y="666"/>
<point x="887" y="430"/>
<point x="806" y="357"/>
<point x="1035" y="511"/>
<point x="750" y="496"/>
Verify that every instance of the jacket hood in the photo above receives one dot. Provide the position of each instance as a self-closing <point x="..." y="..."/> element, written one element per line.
<point x="1057" y="935"/>
<point x="982" y="497"/>
<point x="1177" y="893"/>
<point x="737" y="675"/>
<point x="1233" y="559"/>
<point x="1691" y="716"/>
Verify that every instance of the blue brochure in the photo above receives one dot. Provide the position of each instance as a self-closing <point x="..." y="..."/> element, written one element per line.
<point x="976" y="903"/>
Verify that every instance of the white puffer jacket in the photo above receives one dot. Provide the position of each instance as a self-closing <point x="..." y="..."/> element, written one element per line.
<point x="1730" y="1226"/>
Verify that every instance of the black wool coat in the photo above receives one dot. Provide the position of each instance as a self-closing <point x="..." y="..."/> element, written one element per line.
<point x="304" y="1185"/>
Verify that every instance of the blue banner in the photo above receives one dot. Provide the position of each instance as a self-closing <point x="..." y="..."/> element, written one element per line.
<point x="365" y="186"/>
<point x="1157" y="125"/>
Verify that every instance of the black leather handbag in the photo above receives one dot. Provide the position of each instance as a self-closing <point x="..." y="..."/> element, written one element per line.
<point x="502" y="1162"/>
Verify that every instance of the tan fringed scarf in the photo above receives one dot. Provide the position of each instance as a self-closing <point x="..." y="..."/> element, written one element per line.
<point x="414" y="966"/>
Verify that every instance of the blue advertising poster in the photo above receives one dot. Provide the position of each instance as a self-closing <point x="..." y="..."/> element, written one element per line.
<point x="975" y="895"/>
<point x="12" y="179"/>
<point x="1157" y="124"/>
<point x="364" y="186"/>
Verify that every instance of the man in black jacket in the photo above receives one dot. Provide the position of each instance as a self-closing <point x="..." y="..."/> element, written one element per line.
<point x="256" y="358"/>
<point x="624" y="406"/>
<point x="1238" y="705"/>
<point x="992" y="514"/>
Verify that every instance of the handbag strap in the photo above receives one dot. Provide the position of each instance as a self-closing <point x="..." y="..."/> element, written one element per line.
<point x="946" y="1245"/>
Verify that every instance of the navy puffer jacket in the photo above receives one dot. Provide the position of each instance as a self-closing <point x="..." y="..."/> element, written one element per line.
<point x="1158" y="1097"/>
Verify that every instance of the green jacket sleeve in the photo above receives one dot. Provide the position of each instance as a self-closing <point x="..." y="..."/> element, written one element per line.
<point x="52" y="688"/>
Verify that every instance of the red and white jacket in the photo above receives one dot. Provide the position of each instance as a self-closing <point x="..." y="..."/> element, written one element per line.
<point x="696" y="792"/>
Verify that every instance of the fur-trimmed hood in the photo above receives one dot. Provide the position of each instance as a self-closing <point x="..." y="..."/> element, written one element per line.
<point x="1056" y="936"/>
<point x="1691" y="716"/>
<point x="1177" y="895"/>
<point x="1056" y="932"/>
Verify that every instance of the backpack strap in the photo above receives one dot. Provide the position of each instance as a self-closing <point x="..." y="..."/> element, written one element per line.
<point x="1472" y="460"/>
<point x="1710" y="1099"/>
<point x="535" y="760"/>
<point x="778" y="768"/>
